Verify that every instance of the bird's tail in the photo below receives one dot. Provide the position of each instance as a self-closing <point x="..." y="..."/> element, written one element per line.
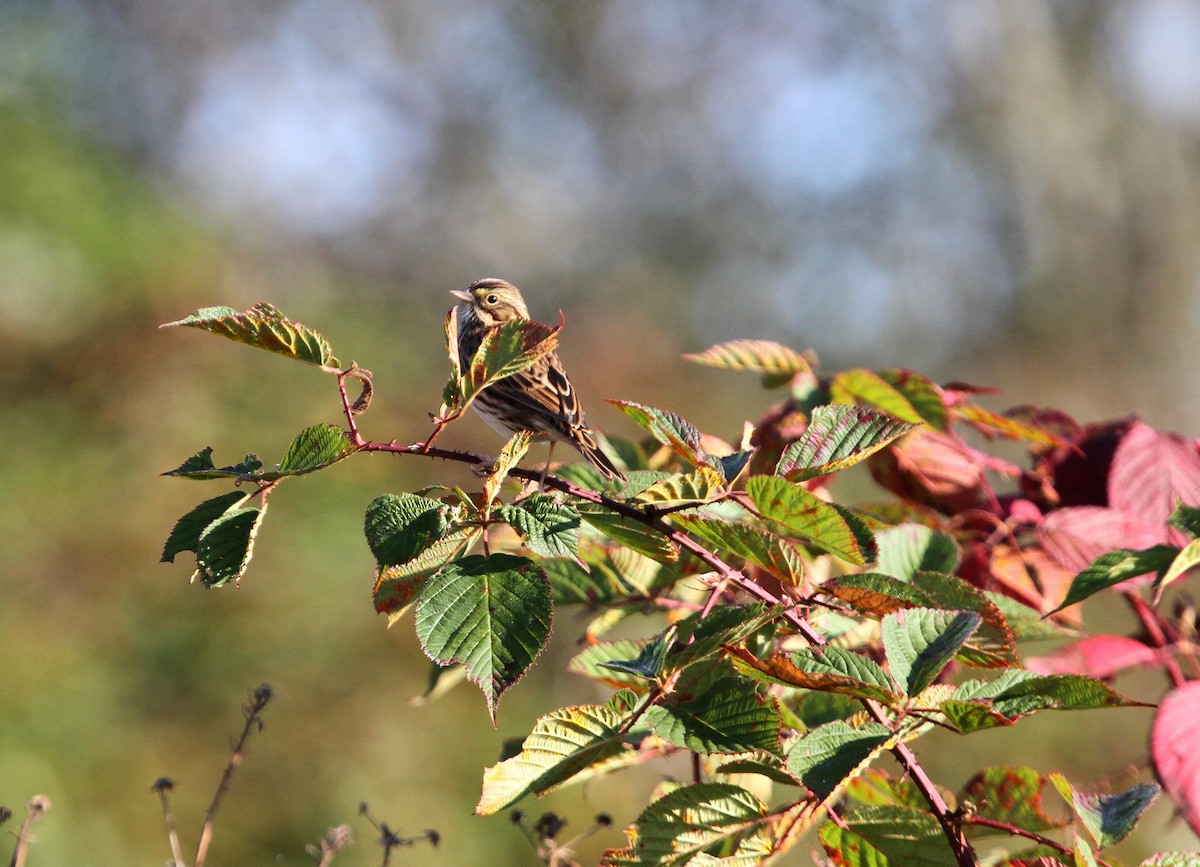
<point x="583" y="440"/>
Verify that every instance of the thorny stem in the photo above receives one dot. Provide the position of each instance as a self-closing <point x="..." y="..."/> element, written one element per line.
<point x="253" y="707"/>
<point x="950" y="822"/>
<point x="1021" y="832"/>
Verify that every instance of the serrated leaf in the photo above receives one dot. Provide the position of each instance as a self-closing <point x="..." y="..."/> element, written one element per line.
<point x="907" y="549"/>
<point x="593" y="661"/>
<point x="492" y="614"/>
<point x="757" y="356"/>
<point x="1011" y="795"/>
<point x="763" y="764"/>
<point x="837" y="437"/>
<point x="224" y="547"/>
<point x="866" y="386"/>
<point x="263" y="326"/>
<point x="1108" y="818"/>
<point x="185" y="535"/>
<point x="668" y="428"/>
<point x="729" y="716"/>
<point x="831" y="754"/>
<point x="701" y="638"/>
<point x="1018" y="693"/>
<point x="629" y="532"/>
<point x="399" y="527"/>
<point x="874" y="593"/>
<point x="600" y="583"/>
<point x="549" y="528"/>
<point x="753" y="544"/>
<point x="510" y="456"/>
<point x="506" y="349"/>
<point x="922" y="394"/>
<point x="1010" y="428"/>
<point x="920" y="642"/>
<point x="200" y="467"/>
<point x="993" y="643"/>
<point x="1117" y="566"/>
<point x="680" y="825"/>
<point x="683" y="488"/>
<point x="792" y="511"/>
<point x="314" y="448"/>
<point x="397" y="586"/>
<point x="826" y="669"/>
<point x="1186" y="519"/>
<point x="888" y="835"/>
<point x="562" y="744"/>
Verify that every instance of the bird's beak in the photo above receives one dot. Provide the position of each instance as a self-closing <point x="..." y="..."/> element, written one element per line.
<point x="462" y="295"/>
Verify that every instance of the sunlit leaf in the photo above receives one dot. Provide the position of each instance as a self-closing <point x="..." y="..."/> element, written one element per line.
<point x="827" y="669"/>
<point x="878" y="836"/>
<point x="668" y="428"/>
<point x="756" y="356"/>
<point x="830" y="754"/>
<point x="753" y="544"/>
<point x="920" y="642"/>
<point x="593" y="661"/>
<point x="1185" y="561"/>
<point x="729" y="716"/>
<point x="315" y="447"/>
<point x="1173" y="743"/>
<point x="549" y="528"/>
<point x="492" y="614"/>
<point x="1010" y="428"/>
<point x="792" y="511"/>
<point x="630" y="532"/>
<point x="837" y="437"/>
<point x="1013" y="796"/>
<point x="562" y="744"/>
<point x="650" y="659"/>
<point x="1017" y="693"/>
<point x="397" y="586"/>
<point x="1117" y="566"/>
<point x="509" y="457"/>
<point x="1108" y="818"/>
<point x="264" y="327"/>
<point x="683" y="488"/>
<point x="224" y="547"/>
<point x="399" y="527"/>
<point x="911" y="548"/>
<point x="868" y="387"/>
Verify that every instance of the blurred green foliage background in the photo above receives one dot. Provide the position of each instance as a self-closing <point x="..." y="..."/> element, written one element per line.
<point x="1005" y="193"/>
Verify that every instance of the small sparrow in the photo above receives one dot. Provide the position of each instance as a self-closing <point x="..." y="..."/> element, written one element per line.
<point x="539" y="398"/>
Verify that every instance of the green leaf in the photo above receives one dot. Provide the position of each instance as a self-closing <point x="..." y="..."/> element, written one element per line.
<point x="399" y="527"/>
<point x="827" y="669"/>
<point x="1108" y="818"/>
<point x="1115" y="567"/>
<point x="264" y="327"/>
<point x="492" y="614"/>
<point x="668" y="428"/>
<point x="629" y="532"/>
<point x="922" y="394"/>
<point x="683" y="488"/>
<point x="396" y="587"/>
<point x="510" y="456"/>
<point x="1016" y="693"/>
<point x="224" y="547"/>
<point x="506" y="349"/>
<point x="185" y="535"/>
<point x="729" y="716"/>
<point x="908" y="549"/>
<point x="831" y="754"/>
<point x="701" y="638"/>
<point x="875" y="594"/>
<point x="549" y="528"/>
<point x="990" y="422"/>
<point x="756" y="356"/>
<point x="1172" y="859"/>
<point x="866" y="386"/>
<point x="753" y="544"/>
<point x="920" y="642"/>
<point x="1186" y="519"/>
<point x="650" y="658"/>
<point x="600" y="583"/>
<point x="685" y="822"/>
<point x="792" y="511"/>
<point x="316" y="447"/>
<point x="593" y="661"/>
<point x="765" y="765"/>
<point x="562" y="744"/>
<point x="1011" y="795"/>
<point x="895" y="835"/>
<point x="200" y="466"/>
<point x="837" y="437"/>
<point x="1185" y="561"/>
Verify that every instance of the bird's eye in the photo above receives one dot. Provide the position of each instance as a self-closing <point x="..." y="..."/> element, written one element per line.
<point x="492" y="299"/>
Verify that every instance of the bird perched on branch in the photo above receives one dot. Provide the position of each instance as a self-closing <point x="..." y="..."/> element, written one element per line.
<point x="539" y="398"/>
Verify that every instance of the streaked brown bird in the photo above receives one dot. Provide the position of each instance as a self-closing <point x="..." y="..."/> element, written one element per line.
<point x="539" y="398"/>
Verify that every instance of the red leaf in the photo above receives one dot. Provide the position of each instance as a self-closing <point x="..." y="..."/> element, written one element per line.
<point x="1173" y="747"/>
<point x="1100" y="656"/>
<point x="1077" y="536"/>
<point x="1077" y="472"/>
<point x="1151" y="471"/>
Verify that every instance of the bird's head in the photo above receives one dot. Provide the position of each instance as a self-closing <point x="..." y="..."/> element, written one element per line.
<point x="493" y="301"/>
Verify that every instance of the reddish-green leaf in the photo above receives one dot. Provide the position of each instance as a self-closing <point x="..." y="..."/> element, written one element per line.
<point x="1012" y="795"/>
<point x="264" y="327"/>
<point x="826" y="669"/>
<point x="668" y="428"/>
<point x="792" y="511"/>
<point x="838" y="436"/>
<point x="753" y="544"/>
